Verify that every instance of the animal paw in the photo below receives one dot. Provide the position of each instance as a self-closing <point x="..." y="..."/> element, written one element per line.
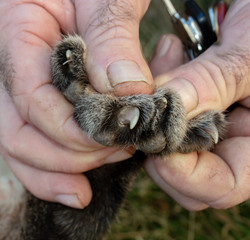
<point x="153" y="124"/>
<point x="149" y="123"/>
<point x="203" y="132"/>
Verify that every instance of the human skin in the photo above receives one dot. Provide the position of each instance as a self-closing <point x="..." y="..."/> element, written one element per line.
<point x="38" y="137"/>
<point x="215" y="80"/>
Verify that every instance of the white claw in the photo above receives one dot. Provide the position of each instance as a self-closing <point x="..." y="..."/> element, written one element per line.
<point x="129" y="116"/>
<point x="215" y="136"/>
<point x="68" y="56"/>
<point x="135" y="118"/>
<point x="213" y="132"/>
<point x="165" y="101"/>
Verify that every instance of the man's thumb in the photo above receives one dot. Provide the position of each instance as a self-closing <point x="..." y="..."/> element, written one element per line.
<point x="114" y="61"/>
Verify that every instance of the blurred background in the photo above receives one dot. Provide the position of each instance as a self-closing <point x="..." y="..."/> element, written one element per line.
<point x="150" y="214"/>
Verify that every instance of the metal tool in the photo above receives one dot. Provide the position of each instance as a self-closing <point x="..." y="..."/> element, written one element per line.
<point x="209" y="36"/>
<point x="187" y="30"/>
<point x="194" y="28"/>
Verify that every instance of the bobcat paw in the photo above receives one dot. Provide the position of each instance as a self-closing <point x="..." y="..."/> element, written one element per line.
<point x="153" y="124"/>
<point x="203" y="132"/>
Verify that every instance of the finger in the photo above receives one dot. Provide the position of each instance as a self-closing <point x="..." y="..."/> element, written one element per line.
<point x="186" y="202"/>
<point x="40" y="103"/>
<point x="25" y="142"/>
<point x="62" y="11"/>
<point x="235" y="152"/>
<point x="204" y="177"/>
<point x="111" y="32"/>
<point x="168" y="55"/>
<point x="68" y="189"/>
<point x="220" y="181"/>
<point x="192" y="82"/>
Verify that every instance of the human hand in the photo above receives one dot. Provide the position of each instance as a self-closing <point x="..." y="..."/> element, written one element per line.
<point x="38" y="137"/>
<point x="215" y="80"/>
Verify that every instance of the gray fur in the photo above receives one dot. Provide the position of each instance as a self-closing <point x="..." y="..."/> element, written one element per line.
<point x="162" y="129"/>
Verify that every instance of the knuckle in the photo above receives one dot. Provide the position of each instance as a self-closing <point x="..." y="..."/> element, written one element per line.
<point x="235" y="69"/>
<point x="115" y="10"/>
<point x="112" y="18"/>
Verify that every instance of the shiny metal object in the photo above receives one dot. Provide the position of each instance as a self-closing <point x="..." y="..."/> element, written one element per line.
<point x="197" y="30"/>
<point x="187" y="30"/>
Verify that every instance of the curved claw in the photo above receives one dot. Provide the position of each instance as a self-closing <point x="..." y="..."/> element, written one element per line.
<point x="213" y="133"/>
<point x="68" y="56"/>
<point x="129" y="116"/>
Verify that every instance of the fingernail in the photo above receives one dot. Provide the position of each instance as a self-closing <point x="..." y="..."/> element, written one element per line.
<point x="184" y="88"/>
<point x="70" y="200"/>
<point x="163" y="46"/>
<point x="124" y="71"/>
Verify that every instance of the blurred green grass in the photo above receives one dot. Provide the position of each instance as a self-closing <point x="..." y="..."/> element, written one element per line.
<point x="150" y="214"/>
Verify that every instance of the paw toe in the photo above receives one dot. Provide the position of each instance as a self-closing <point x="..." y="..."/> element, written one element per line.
<point x="204" y="131"/>
<point x="128" y="116"/>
